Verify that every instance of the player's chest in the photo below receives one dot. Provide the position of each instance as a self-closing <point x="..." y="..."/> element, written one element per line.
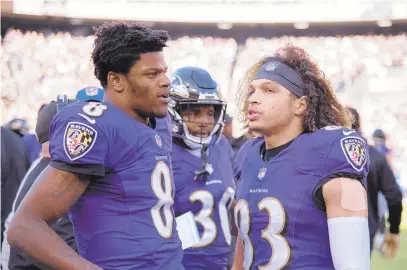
<point x="145" y="167"/>
<point x="278" y="181"/>
<point x="203" y="194"/>
<point x="193" y="192"/>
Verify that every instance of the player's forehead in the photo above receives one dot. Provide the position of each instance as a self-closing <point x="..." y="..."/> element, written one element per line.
<point x="150" y="61"/>
<point x="198" y="107"/>
<point x="262" y="83"/>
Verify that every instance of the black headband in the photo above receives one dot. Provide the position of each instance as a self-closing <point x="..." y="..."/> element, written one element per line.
<point x="282" y="74"/>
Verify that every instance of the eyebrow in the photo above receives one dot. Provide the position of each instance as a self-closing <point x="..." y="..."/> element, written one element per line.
<point x="196" y="109"/>
<point x="269" y="83"/>
<point x="155" y="69"/>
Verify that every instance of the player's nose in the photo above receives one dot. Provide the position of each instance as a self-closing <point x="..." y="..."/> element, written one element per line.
<point x="165" y="81"/>
<point x="254" y="97"/>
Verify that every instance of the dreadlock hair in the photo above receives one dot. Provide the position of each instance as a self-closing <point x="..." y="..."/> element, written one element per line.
<point x="323" y="107"/>
<point x="118" y="46"/>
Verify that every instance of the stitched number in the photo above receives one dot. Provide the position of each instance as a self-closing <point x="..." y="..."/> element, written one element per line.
<point x="242" y="210"/>
<point x="94" y="108"/>
<point x="204" y="217"/>
<point x="279" y="246"/>
<point x="162" y="188"/>
<point x="224" y="207"/>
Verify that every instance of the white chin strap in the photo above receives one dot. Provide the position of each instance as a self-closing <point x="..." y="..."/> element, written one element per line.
<point x="194" y="142"/>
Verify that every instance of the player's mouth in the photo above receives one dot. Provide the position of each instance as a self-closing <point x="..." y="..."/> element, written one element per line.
<point x="164" y="97"/>
<point x="201" y="135"/>
<point x="252" y="114"/>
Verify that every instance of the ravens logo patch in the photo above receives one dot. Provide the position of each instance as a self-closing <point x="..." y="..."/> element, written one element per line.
<point x="355" y="152"/>
<point x="79" y="138"/>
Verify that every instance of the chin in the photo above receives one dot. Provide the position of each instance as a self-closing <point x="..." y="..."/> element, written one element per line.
<point x="161" y="113"/>
<point x="256" y="128"/>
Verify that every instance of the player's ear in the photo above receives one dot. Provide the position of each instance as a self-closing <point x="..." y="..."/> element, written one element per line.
<point x="116" y="81"/>
<point x="301" y="106"/>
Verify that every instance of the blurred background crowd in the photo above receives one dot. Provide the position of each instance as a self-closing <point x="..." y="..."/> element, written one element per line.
<point x="367" y="72"/>
<point x="360" y="45"/>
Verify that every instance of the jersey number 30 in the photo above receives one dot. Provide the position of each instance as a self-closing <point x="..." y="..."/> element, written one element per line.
<point x="162" y="188"/>
<point x="204" y="217"/>
<point x="279" y="246"/>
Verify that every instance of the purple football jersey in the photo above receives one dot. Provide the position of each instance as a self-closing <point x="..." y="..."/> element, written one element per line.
<point x="209" y="202"/>
<point x="125" y="218"/>
<point x="279" y="214"/>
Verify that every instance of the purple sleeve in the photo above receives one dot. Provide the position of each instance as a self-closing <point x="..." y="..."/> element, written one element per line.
<point x="348" y="157"/>
<point x="348" y="154"/>
<point x="77" y="145"/>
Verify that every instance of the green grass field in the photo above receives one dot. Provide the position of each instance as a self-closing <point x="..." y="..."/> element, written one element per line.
<point x="379" y="263"/>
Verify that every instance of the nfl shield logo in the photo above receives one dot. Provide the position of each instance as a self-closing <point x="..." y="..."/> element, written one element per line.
<point x="91" y="91"/>
<point x="158" y="140"/>
<point x="272" y="66"/>
<point x="262" y="173"/>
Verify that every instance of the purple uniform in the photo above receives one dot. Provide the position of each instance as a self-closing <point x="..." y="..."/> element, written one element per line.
<point x="280" y="211"/>
<point x="209" y="202"/>
<point x="124" y="219"/>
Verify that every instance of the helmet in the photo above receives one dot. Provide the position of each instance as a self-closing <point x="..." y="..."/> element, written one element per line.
<point x="195" y="86"/>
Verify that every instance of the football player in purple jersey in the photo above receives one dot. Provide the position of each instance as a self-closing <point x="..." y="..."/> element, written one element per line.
<point x="301" y="198"/>
<point x="202" y="165"/>
<point x="110" y="166"/>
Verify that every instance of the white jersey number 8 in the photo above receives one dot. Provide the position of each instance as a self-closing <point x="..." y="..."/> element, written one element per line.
<point x="162" y="188"/>
<point x="279" y="246"/>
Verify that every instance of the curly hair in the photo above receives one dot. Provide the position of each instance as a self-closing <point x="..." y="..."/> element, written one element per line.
<point x="323" y="107"/>
<point x="118" y="46"/>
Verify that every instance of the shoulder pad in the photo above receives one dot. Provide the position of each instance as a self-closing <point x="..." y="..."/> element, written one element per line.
<point x="348" y="152"/>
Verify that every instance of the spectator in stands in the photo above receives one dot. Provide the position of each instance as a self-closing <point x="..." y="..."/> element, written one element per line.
<point x="381" y="178"/>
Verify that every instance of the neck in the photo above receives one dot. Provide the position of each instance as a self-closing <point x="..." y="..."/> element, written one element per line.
<point x="283" y="136"/>
<point x="122" y="106"/>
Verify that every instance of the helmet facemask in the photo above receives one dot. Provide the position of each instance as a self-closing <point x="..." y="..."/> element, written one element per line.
<point x="199" y="130"/>
<point x="205" y="132"/>
<point x="190" y="88"/>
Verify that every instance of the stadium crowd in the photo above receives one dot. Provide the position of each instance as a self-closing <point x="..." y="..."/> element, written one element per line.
<point x="98" y="172"/>
<point x="37" y="67"/>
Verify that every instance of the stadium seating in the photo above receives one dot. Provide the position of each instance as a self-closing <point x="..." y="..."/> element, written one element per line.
<point x="368" y="71"/>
